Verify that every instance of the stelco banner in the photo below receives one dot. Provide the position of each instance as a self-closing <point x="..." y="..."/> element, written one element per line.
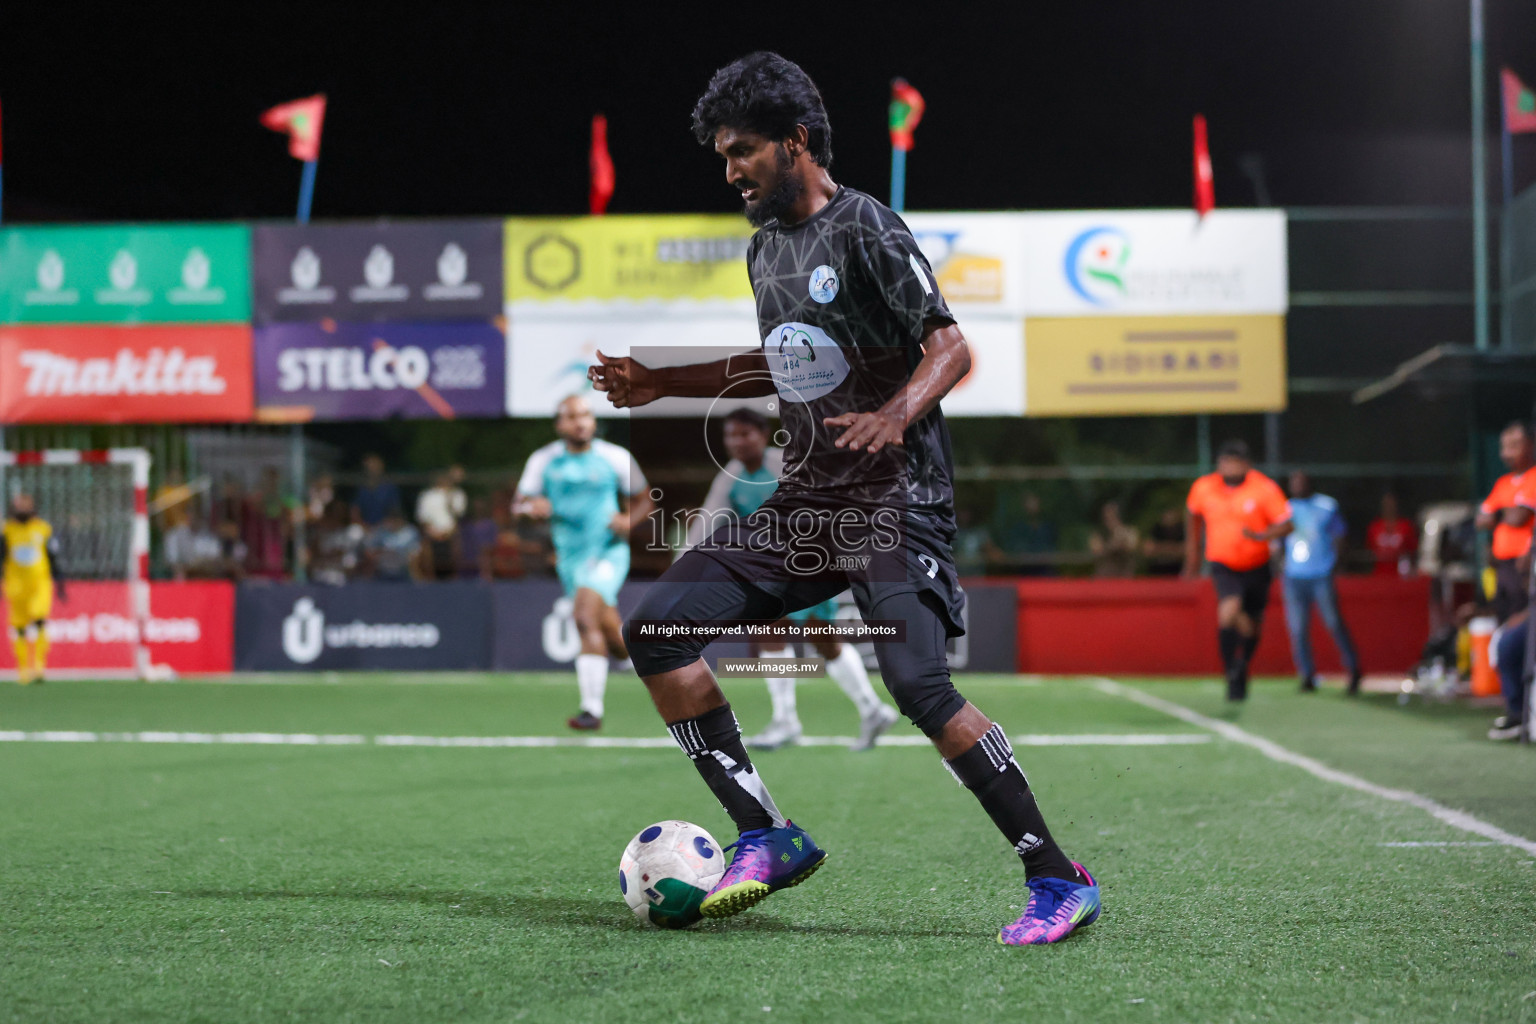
<point x="354" y="371"/>
<point x="384" y="626"/>
<point x="161" y="374"/>
<point x="422" y="270"/>
<point x="125" y="274"/>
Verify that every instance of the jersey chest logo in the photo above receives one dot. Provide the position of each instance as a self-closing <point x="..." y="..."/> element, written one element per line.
<point x="805" y="362"/>
<point x="824" y="284"/>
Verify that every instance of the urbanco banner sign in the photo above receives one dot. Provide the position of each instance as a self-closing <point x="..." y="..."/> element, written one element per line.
<point x="355" y="371"/>
<point x="169" y="373"/>
<point x="380" y="626"/>
<point x="126" y="274"/>
<point x="409" y="271"/>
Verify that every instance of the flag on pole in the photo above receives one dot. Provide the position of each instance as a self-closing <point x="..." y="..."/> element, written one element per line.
<point x="302" y="121"/>
<point x="1519" y="104"/>
<point x="906" y="111"/>
<point x="1205" y="181"/>
<point x="602" y="167"/>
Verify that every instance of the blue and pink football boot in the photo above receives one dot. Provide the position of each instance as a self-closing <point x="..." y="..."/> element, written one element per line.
<point x="766" y="861"/>
<point x="1056" y="909"/>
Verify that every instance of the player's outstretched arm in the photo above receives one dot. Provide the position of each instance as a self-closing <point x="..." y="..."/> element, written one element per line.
<point x="946" y="359"/>
<point x="629" y="383"/>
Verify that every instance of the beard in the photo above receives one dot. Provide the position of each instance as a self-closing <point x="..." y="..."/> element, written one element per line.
<point x="779" y="198"/>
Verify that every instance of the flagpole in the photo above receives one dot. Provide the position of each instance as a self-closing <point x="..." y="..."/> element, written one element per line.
<point x="898" y="178"/>
<point x="1506" y="220"/>
<point x="307" y="190"/>
<point x="1479" y="186"/>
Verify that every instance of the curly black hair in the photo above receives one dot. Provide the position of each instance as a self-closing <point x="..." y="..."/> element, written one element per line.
<point x="764" y="93"/>
<point x="748" y="417"/>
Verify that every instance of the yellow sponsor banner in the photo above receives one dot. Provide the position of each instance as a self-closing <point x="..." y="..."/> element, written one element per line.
<point x="1121" y="366"/>
<point x="627" y="259"/>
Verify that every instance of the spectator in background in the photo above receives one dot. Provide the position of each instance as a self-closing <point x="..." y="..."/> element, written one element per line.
<point x="1507" y="512"/>
<point x="438" y="510"/>
<point x="393" y="548"/>
<point x="335" y="546"/>
<point x="1164" y="545"/>
<point x="232" y="550"/>
<point x="264" y="527"/>
<point x="477" y="540"/>
<point x="322" y="491"/>
<point x="1113" y="544"/>
<point x="172" y="500"/>
<point x="1033" y="538"/>
<point x="973" y="547"/>
<point x="1312" y="550"/>
<point x="1393" y="541"/>
<point x="192" y="549"/>
<point x="1509" y="647"/>
<point x="374" y="500"/>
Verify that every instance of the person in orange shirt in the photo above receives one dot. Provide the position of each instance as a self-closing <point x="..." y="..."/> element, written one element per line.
<point x="1236" y="512"/>
<point x="1510" y="520"/>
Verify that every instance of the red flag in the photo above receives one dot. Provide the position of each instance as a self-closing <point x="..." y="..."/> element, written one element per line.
<point x="1519" y="104"/>
<point x="602" y="167"/>
<point x="302" y="120"/>
<point x="906" y="111"/>
<point x="1205" y="182"/>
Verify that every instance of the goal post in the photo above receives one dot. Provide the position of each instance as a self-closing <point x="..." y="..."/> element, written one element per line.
<point x="97" y="502"/>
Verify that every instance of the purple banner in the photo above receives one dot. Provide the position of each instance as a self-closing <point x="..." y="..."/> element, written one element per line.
<point x="354" y="371"/>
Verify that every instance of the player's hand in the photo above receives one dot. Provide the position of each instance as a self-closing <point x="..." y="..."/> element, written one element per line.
<point x="536" y="507"/>
<point x="619" y="524"/>
<point x="867" y="431"/>
<point x="626" y="382"/>
<point x="1252" y="535"/>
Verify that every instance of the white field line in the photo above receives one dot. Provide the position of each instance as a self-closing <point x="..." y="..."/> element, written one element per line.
<point x="1417" y="845"/>
<point x="612" y="742"/>
<point x="1275" y="752"/>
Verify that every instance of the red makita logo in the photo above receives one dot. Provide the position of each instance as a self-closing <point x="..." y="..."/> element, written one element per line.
<point x="158" y="372"/>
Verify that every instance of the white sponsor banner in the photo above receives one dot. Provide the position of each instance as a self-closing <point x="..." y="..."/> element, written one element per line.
<point x="1157" y="262"/>
<point x="977" y="260"/>
<point x="995" y="385"/>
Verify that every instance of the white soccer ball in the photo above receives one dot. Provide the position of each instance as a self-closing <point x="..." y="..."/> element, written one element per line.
<point x="667" y="870"/>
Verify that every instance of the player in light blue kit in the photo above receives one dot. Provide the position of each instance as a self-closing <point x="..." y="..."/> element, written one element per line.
<point x="744" y="484"/>
<point x="1311" y="559"/>
<point x="576" y="483"/>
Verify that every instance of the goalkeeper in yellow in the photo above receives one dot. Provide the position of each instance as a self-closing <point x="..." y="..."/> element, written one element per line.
<point x="30" y="557"/>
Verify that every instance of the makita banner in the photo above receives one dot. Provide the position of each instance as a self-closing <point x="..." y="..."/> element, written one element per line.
<point x="190" y="628"/>
<point x="166" y="273"/>
<point x="377" y="626"/>
<point x="379" y="371"/>
<point x="160" y="374"/>
<point x="423" y="270"/>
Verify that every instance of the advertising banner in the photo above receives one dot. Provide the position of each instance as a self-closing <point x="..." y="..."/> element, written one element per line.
<point x="977" y="260"/>
<point x="669" y="260"/>
<point x="1119" y="366"/>
<point x="422" y="270"/>
<point x="355" y="371"/>
<point x="377" y="626"/>
<point x="125" y="274"/>
<point x="1154" y="263"/>
<point x="161" y="374"/>
<point x="190" y="628"/>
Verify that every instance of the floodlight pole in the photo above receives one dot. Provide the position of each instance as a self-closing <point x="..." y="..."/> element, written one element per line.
<point x="1479" y="185"/>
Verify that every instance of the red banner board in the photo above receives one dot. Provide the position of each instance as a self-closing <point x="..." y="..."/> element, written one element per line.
<point x="180" y="373"/>
<point x="191" y="628"/>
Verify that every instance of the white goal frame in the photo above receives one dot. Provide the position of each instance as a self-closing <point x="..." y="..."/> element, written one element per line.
<point x="137" y="578"/>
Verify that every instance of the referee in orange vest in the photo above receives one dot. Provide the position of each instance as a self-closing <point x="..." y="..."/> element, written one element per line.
<point x="1236" y="512"/>
<point x="1504" y="512"/>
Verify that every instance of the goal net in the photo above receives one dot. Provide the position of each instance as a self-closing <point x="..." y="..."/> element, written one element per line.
<point x="96" y="503"/>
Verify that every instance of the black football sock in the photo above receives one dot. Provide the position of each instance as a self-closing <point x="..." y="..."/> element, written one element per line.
<point x="713" y="741"/>
<point x="1250" y="644"/>
<point x="989" y="770"/>
<point x="1228" y="640"/>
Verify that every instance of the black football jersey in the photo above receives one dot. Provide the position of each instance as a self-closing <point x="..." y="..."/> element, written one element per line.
<point x="842" y="302"/>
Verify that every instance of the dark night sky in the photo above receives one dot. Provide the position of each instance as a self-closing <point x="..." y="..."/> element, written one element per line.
<point x="141" y="111"/>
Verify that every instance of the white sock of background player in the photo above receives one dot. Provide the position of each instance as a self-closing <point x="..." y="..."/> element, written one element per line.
<point x="847" y="670"/>
<point x="782" y="691"/>
<point x="592" y="681"/>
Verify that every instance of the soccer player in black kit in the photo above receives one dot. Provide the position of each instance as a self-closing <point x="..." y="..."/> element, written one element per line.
<point x="859" y="347"/>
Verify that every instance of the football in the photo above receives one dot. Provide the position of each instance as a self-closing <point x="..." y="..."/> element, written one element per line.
<point x="667" y="870"/>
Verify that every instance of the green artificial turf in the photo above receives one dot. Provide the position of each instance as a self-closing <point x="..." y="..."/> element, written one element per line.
<point x="227" y="883"/>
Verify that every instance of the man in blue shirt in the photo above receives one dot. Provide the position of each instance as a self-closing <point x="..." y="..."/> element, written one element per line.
<point x="575" y="483"/>
<point x="1311" y="558"/>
